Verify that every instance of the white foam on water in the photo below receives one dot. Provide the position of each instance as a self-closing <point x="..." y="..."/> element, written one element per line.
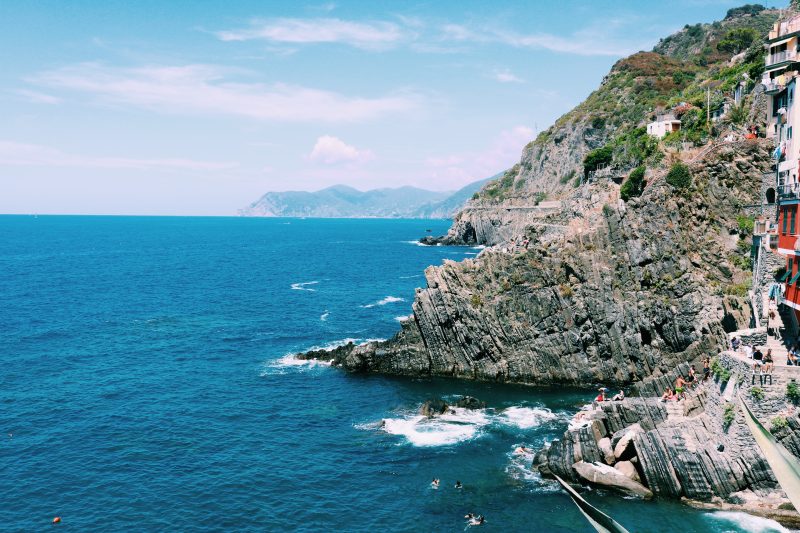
<point x="324" y="316"/>
<point x="387" y="300"/>
<point x="302" y="286"/>
<point x="753" y="524"/>
<point x="442" y="430"/>
<point x="291" y="361"/>
<point x="409" y="277"/>
<point x="417" y="243"/>
<point x="526" y="417"/>
<point x="403" y="318"/>
<point x="478" y="247"/>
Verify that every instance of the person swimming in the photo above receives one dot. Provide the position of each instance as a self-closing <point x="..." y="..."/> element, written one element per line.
<point x="458" y="485"/>
<point x="435" y="483"/>
<point x="522" y="450"/>
<point x="469" y="516"/>
<point x="477" y="520"/>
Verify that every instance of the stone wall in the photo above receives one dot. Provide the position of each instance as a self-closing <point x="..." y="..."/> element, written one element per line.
<point x="753" y="337"/>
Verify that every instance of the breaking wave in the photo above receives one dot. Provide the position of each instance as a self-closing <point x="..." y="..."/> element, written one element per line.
<point x="459" y="424"/>
<point x="302" y="286"/>
<point x="290" y="361"/>
<point x="387" y="300"/>
<point x="527" y="417"/>
<point x="754" y="524"/>
<point x="324" y="316"/>
<point x="443" y="430"/>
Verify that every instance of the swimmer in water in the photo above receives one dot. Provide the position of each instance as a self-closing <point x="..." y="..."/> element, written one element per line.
<point x="477" y="521"/>
<point x="522" y="450"/>
<point x="459" y="485"/>
<point x="435" y="483"/>
<point x="469" y="516"/>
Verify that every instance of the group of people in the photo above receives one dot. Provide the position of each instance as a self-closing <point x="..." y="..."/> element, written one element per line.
<point x="684" y="383"/>
<point x="472" y="520"/>
<point x="763" y="362"/>
<point x="602" y="396"/>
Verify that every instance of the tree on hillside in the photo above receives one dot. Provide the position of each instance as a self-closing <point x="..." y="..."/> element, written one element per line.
<point x="737" y="40"/>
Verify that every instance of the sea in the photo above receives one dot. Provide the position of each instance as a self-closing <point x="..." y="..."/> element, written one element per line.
<point x="147" y="384"/>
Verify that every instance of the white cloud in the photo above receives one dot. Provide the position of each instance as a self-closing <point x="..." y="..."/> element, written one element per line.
<point x="329" y="149"/>
<point x="38" y="98"/>
<point x="26" y="155"/>
<point x="597" y="39"/>
<point x="369" y="35"/>
<point x="504" y="151"/>
<point x="506" y="76"/>
<point x="208" y="90"/>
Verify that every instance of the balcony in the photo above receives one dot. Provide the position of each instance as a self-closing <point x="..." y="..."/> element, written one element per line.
<point x="789" y="191"/>
<point x="781" y="57"/>
<point x="772" y="87"/>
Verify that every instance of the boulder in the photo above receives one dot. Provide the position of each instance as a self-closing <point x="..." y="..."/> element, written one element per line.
<point x="598" y="429"/>
<point x="615" y="438"/>
<point x="469" y="402"/>
<point x="608" y="476"/>
<point x="628" y="470"/>
<point x="608" y="452"/>
<point x="432" y="408"/>
<point x="624" y="448"/>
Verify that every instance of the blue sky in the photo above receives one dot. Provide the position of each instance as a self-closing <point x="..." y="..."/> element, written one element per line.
<point x="198" y="108"/>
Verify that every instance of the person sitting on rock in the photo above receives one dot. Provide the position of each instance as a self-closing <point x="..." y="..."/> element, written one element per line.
<point x="735" y="343"/>
<point x="602" y="396"/>
<point x="668" y="395"/>
<point x="618" y="397"/>
<point x="706" y="368"/>
<point x="791" y="357"/>
<point x="768" y="361"/>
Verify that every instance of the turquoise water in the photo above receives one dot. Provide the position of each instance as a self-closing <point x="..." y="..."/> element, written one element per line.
<point x="144" y="386"/>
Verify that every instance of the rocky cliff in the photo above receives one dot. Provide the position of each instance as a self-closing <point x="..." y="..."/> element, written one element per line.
<point x="578" y="286"/>
<point x="605" y="291"/>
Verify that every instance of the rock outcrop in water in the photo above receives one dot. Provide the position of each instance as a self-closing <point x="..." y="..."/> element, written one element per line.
<point x="699" y="449"/>
<point x="605" y="292"/>
<point x="577" y="286"/>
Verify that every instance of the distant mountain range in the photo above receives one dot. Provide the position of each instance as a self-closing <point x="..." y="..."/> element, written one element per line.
<point x="341" y="201"/>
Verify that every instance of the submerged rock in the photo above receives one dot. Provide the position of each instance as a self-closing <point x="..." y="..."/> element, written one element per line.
<point x="435" y="407"/>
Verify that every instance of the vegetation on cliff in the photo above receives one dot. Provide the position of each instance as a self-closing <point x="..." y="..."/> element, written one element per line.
<point x="690" y="73"/>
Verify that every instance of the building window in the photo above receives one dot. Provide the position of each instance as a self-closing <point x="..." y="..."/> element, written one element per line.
<point x="789" y="268"/>
<point x="793" y="211"/>
<point x="785" y="221"/>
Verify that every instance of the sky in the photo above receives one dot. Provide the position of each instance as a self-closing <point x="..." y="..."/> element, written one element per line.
<point x="199" y="108"/>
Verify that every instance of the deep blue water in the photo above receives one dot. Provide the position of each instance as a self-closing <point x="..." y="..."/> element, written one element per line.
<point x="144" y="387"/>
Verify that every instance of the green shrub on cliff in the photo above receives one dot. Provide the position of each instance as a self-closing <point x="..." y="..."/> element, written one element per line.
<point x="728" y="415"/>
<point x="778" y="422"/>
<point x="634" y="185"/>
<point x="476" y="301"/>
<point x="597" y="158"/>
<point x="793" y="392"/>
<point x="679" y="176"/>
<point x="745" y="224"/>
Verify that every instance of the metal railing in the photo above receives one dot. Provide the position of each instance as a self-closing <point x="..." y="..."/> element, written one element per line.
<point x="780" y="57"/>
<point x="789" y="191"/>
<point x="773" y="87"/>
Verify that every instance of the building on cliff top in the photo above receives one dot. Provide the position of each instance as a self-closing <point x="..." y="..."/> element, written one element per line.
<point x="781" y="73"/>
<point x="663" y="125"/>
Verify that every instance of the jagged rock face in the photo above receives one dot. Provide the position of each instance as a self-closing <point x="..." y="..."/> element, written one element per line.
<point x="687" y="448"/>
<point x="604" y="293"/>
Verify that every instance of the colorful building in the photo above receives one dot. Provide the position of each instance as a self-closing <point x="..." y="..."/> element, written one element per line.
<point x="783" y="120"/>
